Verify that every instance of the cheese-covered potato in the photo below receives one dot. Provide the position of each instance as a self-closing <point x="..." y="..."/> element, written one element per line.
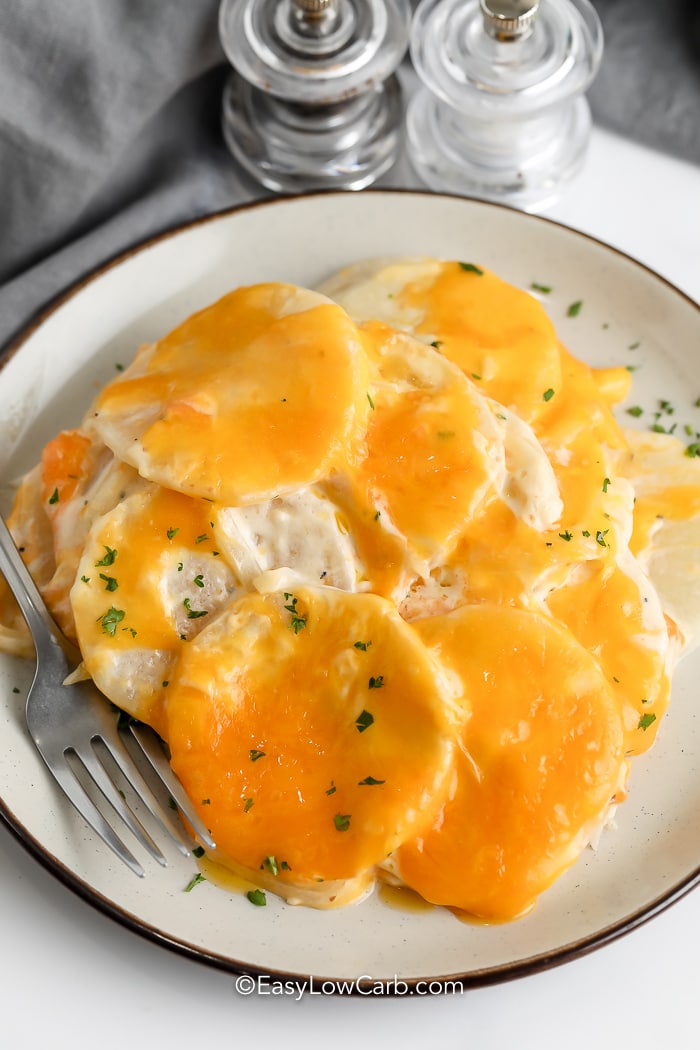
<point x="541" y="758"/>
<point x="398" y="592"/>
<point x="313" y="727"/>
<point x="250" y="398"/>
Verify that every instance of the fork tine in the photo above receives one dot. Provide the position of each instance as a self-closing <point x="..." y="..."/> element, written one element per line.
<point x="75" y="792"/>
<point x="102" y="780"/>
<point x="128" y="769"/>
<point x="150" y="744"/>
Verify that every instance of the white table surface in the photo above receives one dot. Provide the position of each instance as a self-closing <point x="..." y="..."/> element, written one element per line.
<point x="74" y="978"/>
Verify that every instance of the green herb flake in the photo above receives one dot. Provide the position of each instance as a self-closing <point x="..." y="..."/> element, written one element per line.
<point x="437" y="343"/>
<point x="566" y="535"/>
<point x="548" y="394"/>
<point x="247" y="805"/>
<point x="376" y="682"/>
<point x="194" y="882"/>
<point x="198" y="851"/>
<point x="575" y="308"/>
<point x="634" y="346"/>
<point x="172" y="533"/>
<point x="297" y="623"/>
<point x="271" y="864"/>
<point x="200" y="539"/>
<point x="198" y="581"/>
<point x="363" y="721"/>
<point x="109" y="558"/>
<point x="600" y="537"/>
<point x="53" y="498"/>
<point x="471" y="268"/>
<point x="257" y="897"/>
<point x="110" y="582"/>
<point x="645" y="721"/>
<point x="544" y="289"/>
<point x="15" y="689"/>
<point x="693" y="450"/>
<point x="193" y="614"/>
<point x="636" y="411"/>
<point x="364" y="646"/>
<point x="369" y="399"/>
<point x="342" y="821"/>
<point x="606" y="484"/>
<point x="85" y="579"/>
<point x="255" y="754"/>
<point x="369" y="782"/>
<point x="206" y="802"/>
<point x="332" y="789"/>
<point x="110" y="620"/>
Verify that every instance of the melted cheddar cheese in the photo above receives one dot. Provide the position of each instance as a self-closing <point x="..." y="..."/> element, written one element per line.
<point x="383" y="570"/>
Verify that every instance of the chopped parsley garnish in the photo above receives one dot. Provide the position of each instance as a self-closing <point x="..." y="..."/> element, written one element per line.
<point x="172" y="533"/>
<point x="645" y="721"/>
<point x="198" y="851"/>
<point x="548" y="394"/>
<point x="247" y="804"/>
<point x="376" y="682"/>
<point x="194" y="882"/>
<point x="255" y="754"/>
<point x="193" y="614"/>
<point x="600" y="537"/>
<point x="200" y="539"/>
<point x="635" y="410"/>
<point x="471" y="268"/>
<point x="371" y="402"/>
<point x="271" y="864"/>
<point x="109" y="558"/>
<point x="332" y="789"/>
<point x="257" y="897"/>
<point x="53" y="498"/>
<point x="110" y="620"/>
<point x="110" y="582"/>
<point x="85" y="579"/>
<point x="363" y="721"/>
<point x="206" y="802"/>
<point x="369" y="782"/>
<point x="342" y="821"/>
<point x="693" y="449"/>
<point x="298" y="623"/>
<point x="437" y="343"/>
<point x="198" y="581"/>
<point x="606" y="484"/>
<point x="634" y="346"/>
<point x="545" y="289"/>
<point x="575" y="308"/>
<point x="364" y="646"/>
<point x="566" y="535"/>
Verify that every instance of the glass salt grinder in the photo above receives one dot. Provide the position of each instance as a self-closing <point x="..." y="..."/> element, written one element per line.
<point x="313" y="101"/>
<point x="501" y="113"/>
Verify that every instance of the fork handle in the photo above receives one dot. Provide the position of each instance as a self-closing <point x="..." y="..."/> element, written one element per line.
<point x="39" y="621"/>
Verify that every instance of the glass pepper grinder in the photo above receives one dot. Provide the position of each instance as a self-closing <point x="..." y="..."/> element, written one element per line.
<point x="501" y="112"/>
<point x="313" y="101"/>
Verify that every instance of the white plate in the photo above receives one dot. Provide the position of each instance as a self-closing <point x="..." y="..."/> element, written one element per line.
<point x="49" y="377"/>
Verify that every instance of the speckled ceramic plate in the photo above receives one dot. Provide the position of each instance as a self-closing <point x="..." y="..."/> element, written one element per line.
<point x="46" y="381"/>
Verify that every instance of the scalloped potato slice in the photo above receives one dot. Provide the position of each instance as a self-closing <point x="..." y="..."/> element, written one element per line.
<point x="312" y="727"/>
<point x="434" y="453"/>
<point x="541" y="757"/>
<point x="496" y="333"/>
<point x="258" y="394"/>
<point x="666" y="535"/>
<point x="149" y="578"/>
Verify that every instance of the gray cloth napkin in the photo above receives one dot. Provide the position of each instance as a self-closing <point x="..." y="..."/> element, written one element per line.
<point x="109" y="124"/>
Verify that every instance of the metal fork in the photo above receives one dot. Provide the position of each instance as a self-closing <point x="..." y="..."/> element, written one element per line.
<point x="74" y="728"/>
